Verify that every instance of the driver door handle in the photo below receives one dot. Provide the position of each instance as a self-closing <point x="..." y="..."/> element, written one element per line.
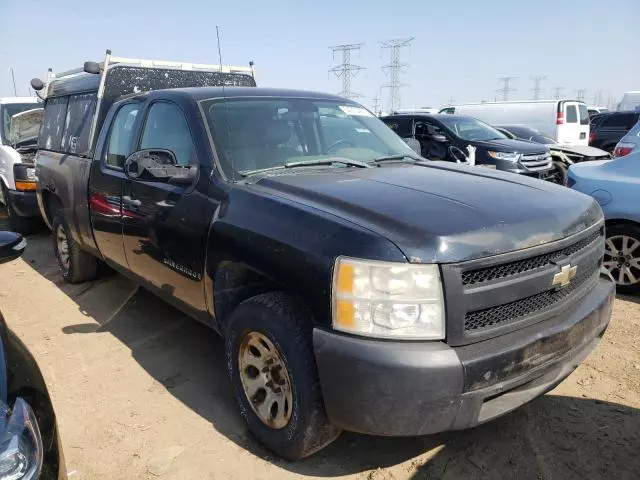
<point x="127" y="200"/>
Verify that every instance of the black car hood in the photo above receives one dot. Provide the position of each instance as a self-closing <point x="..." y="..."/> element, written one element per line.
<point x="511" y="145"/>
<point x="438" y="212"/>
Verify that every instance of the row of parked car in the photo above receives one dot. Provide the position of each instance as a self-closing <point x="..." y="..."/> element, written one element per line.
<point x="334" y="259"/>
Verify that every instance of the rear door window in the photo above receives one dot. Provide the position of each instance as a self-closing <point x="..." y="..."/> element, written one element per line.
<point x="53" y="123"/>
<point x="572" y="114"/>
<point x="75" y="139"/>
<point x="584" y="114"/>
<point x="121" y="135"/>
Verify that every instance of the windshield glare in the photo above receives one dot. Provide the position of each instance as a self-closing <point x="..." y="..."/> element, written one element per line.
<point x="8" y="111"/>
<point x="254" y="134"/>
<point x="468" y="128"/>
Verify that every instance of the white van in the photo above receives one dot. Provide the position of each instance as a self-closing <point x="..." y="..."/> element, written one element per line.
<point x="630" y="101"/>
<point x="566" y="121"/>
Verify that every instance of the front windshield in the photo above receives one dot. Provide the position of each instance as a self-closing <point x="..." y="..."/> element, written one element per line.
<point x="468" y="128"/>
<point x="252" y="134"/>
<point x="8" y="111"/>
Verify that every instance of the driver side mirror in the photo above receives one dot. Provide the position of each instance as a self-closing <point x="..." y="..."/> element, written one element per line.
<point x="12" y="246"/>
<point x="413" y="145"/>
<point x="158" y="165"/>
<point x="439" y="138"/>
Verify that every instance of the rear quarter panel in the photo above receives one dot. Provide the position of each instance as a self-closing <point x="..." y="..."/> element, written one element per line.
<point x="65" y="178"/>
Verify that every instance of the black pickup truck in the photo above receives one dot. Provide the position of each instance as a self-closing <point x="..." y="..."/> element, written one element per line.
<point x="357" y="286"/>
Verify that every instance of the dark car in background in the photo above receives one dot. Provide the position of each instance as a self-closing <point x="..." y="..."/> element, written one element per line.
<point x="607" y="129"/>
<point x="30" y="446"/>
<point x="449" y="137"/>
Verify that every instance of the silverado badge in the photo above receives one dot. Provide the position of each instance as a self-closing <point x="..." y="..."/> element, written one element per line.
<point x="564" y="276"/>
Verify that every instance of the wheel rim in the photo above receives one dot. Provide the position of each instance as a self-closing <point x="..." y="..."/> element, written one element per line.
<point x="265" y="380"/>
<point x="63" y="247"/>
<point x="622" y="259"/>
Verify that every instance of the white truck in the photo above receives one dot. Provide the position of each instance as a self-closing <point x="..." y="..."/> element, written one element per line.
<point x="20" y="119"/>
<point x="566" y="121"/>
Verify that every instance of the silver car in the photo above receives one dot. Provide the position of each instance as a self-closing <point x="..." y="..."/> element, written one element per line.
<point x="629" y="143"/>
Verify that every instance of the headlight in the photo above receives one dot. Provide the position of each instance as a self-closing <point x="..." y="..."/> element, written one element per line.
<point x="21" y="445"/>
<point x="388" y="299"/>
<point x="511" y="156"/>
<point x="25" y="177"/>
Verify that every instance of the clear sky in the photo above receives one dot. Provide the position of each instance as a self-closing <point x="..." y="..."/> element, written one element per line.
<point x="459" y="51"/>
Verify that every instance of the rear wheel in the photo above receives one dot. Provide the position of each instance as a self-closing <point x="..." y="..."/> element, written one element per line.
<point x="75" y="264"/>
<point x="273" y="372"/>
<point x="622" y="257"/>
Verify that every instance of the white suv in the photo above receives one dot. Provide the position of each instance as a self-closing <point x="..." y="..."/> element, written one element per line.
<point x="20" y="119"/>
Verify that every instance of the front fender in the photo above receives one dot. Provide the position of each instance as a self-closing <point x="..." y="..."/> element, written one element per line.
<point x="289" y="244"/>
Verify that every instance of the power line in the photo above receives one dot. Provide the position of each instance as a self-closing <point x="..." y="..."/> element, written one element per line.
<point x="506" y="87"/>
<point x="581" y="93"/>
<point x="394" y="68"/>
<point x="346" y="69"/>
<point x="558" y="92"/>
<point x="537" y="79"/>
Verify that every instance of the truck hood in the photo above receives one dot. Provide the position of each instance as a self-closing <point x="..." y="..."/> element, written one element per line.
<point x="25" y="125"/>
<point x="439" y="212"/>
<point x="511" y="145"/>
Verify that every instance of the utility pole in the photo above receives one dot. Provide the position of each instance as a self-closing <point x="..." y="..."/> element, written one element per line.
<point x="506" y="88"/>
<point x="394" y="68"/>
<point x="13" y="77"/>
<point x="558" y="92"/>
<point x="597" y="99"/>
<point x="346" y="69"/>
<point x="537" y="79"/>
<point x="450" y="101"/>
<point x="376" y="105"/>
<point x="581" y="93"/>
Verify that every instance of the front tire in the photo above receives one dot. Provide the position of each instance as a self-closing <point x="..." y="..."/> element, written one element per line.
<point x="622" y="257"/>
<point x="75" y="264"/>
<point x="270" y="361"/>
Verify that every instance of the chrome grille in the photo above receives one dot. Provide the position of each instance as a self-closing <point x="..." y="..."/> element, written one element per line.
<point x="536" y="162"/>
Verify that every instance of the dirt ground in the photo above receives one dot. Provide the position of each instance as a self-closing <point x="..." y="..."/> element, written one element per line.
<point x="140" y="392"/>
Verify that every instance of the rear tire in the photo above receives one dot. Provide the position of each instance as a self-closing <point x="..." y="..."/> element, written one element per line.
<point x="280" y="326"/>
<point x="622" y="257"/>
<point x="75" y="264"/>
<point x="16" y="222"/>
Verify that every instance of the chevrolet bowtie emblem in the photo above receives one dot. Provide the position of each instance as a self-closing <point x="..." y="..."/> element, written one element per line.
<point x="564" y="276"/>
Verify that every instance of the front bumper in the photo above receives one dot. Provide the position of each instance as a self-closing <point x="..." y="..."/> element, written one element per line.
<point x="25" y="204"/>
<point x="417" y="388"/>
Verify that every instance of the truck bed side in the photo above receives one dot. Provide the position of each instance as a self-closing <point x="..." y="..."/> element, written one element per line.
<point x="63" y="182"/>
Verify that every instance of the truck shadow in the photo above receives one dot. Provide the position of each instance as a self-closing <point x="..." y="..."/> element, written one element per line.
<point x="553" y="437"/>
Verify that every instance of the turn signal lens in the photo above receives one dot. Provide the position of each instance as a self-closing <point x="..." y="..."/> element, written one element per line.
<point x="25" y="186"/>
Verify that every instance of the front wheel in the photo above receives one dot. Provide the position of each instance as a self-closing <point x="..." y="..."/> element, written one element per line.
<point x="622" y="257"/>
<point x="558" y="173"/>
<point x="270" y="360"/>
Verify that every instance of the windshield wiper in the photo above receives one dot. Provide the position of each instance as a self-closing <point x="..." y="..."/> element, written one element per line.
<point x="400" y="156"/>
<point x="308" y="163"/>
<point x="328" y="161"/>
